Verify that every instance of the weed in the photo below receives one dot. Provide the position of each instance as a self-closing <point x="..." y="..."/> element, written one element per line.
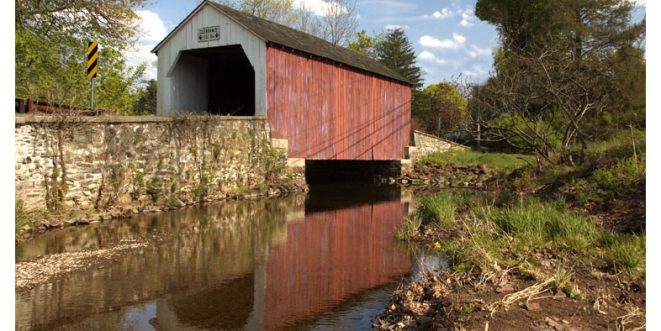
<point x="89" y="212"/>
<point x="154" y="188"/>
<point x="409" y="228"/>
<point x="438" y="208"/>
<point x="138" y="185"/>
<point x="21" y="218"/>
<point x="625" y="252"/>
<point x="540" y="224"/>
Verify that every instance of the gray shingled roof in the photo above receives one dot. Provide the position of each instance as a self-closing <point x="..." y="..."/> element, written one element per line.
<point x="301" y="41"/>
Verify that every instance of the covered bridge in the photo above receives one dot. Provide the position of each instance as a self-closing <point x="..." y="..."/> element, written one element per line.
<point x="328" y="102"/>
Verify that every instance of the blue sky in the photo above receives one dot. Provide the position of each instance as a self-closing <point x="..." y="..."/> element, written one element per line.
<point x="450" y="42"/>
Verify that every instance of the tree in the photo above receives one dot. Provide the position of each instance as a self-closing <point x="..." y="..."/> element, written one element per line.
<point x="557" y="71"/>
<point x="397" y="53"/>
<point x="308" y="22"/>
<point x="146" y="103"/>
<point x="365" y="44"/>
<point x="443" y="108"/>
<point x="278" y="11"/>
<point x="339" y="21"/>
<point x="51" y="39"/>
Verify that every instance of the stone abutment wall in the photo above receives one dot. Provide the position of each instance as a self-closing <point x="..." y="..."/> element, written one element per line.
<point x="99" y="163"/>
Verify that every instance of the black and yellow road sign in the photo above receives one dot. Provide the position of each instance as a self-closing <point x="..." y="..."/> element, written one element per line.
<point x="92" y="57"/>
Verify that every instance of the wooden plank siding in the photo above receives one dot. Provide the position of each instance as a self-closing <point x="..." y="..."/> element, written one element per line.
<point x="332" y="112"/>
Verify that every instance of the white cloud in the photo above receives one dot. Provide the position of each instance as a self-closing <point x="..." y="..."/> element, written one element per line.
<point x="456" y="41"/>
<point x="141" y="53"/>
<point x="319" y="7"/>
<point x="151" y="26"/>
<point x="395" y="26"/>
<point x="430" y="57"/>
<point x="476" y="71"/>
<point x="442" y="14"/>
<point x="476" y="51"/>
<point x="642" y="3"/>
<point x="151" y="31"/>
<point x="467" y="17"/>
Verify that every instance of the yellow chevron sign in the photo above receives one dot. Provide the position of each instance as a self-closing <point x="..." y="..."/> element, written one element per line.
<point x="92" y="57"/>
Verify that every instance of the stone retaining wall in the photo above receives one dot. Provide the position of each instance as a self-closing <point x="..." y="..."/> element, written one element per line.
<point x="426" y="144"/>
<point x="98" y="163"/>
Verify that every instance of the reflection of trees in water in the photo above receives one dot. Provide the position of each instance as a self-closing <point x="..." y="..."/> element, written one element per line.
<point x="223" y="306"/>
<point x="209" y="245"/>
<point x="240" y="264"/>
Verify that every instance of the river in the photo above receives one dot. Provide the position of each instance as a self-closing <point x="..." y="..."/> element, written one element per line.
<point x="328" y="261"/>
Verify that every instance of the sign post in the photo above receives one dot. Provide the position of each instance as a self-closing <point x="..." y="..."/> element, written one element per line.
<point x="92" y="67"/>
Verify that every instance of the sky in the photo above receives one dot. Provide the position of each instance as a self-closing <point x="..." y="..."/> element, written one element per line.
<point x="449" y="41"/>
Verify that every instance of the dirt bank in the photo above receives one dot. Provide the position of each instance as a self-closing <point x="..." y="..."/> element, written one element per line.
<point x="497" y="297"/>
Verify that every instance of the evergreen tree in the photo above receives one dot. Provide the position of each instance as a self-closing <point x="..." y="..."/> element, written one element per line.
<point x="396" y="52"/>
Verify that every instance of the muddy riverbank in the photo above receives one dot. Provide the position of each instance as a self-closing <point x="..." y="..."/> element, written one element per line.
<point x="517" y="263"/>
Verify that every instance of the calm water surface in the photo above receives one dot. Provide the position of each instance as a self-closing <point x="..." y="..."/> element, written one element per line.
<point x="325" y="262"/>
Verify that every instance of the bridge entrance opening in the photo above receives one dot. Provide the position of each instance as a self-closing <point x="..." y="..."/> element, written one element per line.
<point x="219" y="80"/>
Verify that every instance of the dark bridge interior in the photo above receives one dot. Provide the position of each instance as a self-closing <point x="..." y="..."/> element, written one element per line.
<point x="231" y="80"/>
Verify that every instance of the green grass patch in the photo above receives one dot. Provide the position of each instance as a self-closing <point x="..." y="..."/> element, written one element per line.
<point x="537" y="224"/>
<point x="501" y="162"/>
<point x="438" y="208"/>
<point x="511" y="232"/>
<point x="624" y="252"/>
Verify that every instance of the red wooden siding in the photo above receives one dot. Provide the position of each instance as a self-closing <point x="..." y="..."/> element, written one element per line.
<point x="329" y="112"/>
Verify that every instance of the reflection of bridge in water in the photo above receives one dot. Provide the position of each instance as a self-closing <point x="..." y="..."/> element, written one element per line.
<point x="252" y="265"/>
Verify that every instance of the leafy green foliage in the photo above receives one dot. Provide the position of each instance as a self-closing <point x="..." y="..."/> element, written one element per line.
<point x="279" y="11"/>
<point x="441" y="105"/>
<point x="567" y="72"/>
<point x="51" y="41"/>
<point x="365" y="44"/>
<point x="146" y="101"/>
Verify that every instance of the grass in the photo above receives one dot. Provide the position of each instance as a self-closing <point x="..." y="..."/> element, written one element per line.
<point x="501" y="162"/>
<point x="537" y="224"/>
<point x="512" y="232"/>
<point x="409" y="228"/>
<point x="438" y="208"/>
<point x="624" y="253"/>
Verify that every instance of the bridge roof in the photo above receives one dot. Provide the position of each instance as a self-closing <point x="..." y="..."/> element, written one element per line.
<point x="291" y="38"/>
